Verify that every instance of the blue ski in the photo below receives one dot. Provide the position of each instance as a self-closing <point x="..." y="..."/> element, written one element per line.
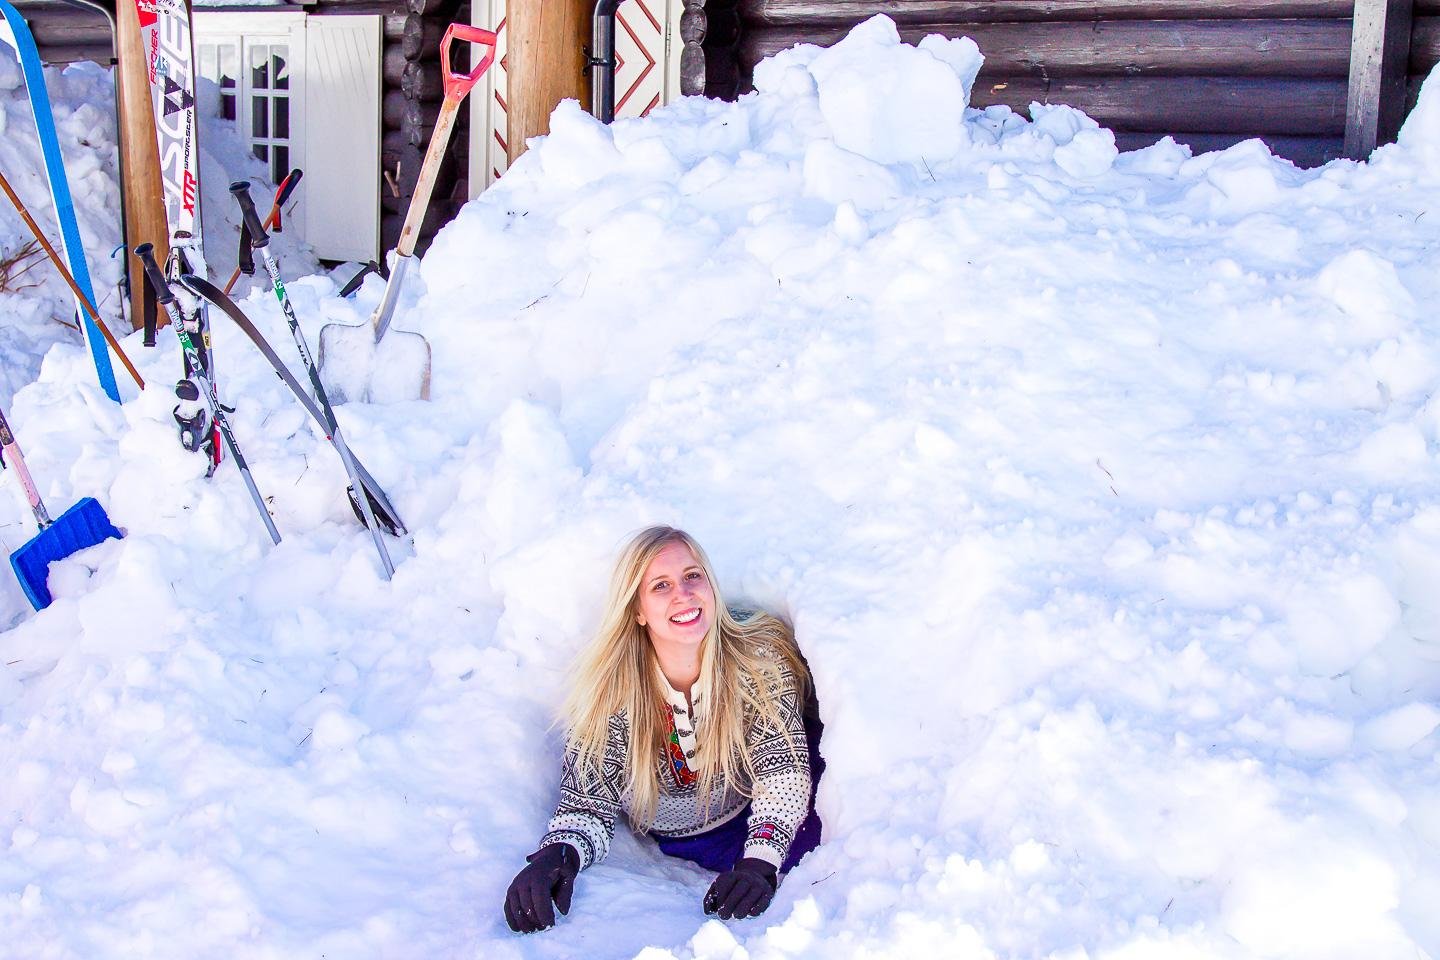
<point x="15" y="32"/>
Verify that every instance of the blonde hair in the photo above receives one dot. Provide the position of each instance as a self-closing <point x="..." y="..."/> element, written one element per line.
<point x="742" y="666"/>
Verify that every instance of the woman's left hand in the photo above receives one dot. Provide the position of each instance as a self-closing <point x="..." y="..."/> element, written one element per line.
<point x="744" y="891"/>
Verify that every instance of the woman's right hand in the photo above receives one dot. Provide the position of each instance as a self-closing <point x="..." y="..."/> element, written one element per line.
<point x="549" y="877"/>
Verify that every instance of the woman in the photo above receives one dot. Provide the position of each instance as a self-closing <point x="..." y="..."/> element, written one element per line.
<point x="700" y="723"/>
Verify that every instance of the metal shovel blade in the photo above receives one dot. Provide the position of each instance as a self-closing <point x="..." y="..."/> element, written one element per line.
<point x="372" y="362"/>
<point x="83" y="525"/>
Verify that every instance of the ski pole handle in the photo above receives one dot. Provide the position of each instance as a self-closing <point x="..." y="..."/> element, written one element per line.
<point x="288" y="187"/>
<point x="156" y="276"/>
<point x="258" y="237"/>
<point x="457" y="84"/>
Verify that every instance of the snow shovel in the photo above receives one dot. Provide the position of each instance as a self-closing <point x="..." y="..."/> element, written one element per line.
<point x="354" y="353"/>
<point x="83" y="525"/>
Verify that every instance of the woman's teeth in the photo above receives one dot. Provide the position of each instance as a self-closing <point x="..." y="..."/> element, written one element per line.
<point x="690" y="616"/>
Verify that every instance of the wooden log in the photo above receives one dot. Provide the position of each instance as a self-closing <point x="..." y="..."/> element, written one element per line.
<point x="441" y="9"/>
<point x="1427" y="7"/>
<point x="545" y="64"/>
<point x="70" y="27"/>
<point x="392" y="66"/>
<point x="1295" y="48"/>
<point x="397" y="111"/>
<point x="392" y="27"/>
<point x="1301" y="151"/>
<point x="422" y="81"/>
<point x="422" y="38"/>
<point x="1273" y="106"/>
<point x="144" y="191"/>
<point x="693" y="27"/>
<point x="400" y="162"/>
<point x="101" y="53"/>
<point x="1424" y="44"/>
<point x="1380" y="51"/>
<point x="439" y="213"/>
<point x="812" y="13"/>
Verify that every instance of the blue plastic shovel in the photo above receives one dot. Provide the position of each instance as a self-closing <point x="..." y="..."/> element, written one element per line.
<point x="83" y="525"/>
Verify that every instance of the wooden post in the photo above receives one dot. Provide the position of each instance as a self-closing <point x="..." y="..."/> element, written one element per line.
<point x="544" y="63"/>
<point x="144" y="190"/>
<point x="1379" y="51"/>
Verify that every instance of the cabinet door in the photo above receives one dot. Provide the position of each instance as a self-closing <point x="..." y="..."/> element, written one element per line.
<point x="342" y="136"/>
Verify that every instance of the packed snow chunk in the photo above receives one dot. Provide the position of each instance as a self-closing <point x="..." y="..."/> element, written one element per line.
<point x="578" y="150"/>
<point x="1401" y="728"/>
<point x="1241" y="180"/>
<point x="336" y="730"/>
<point x="1421" y="130"/>
<point x="10" y="75"/>
<point x="838" y="176"/>
<point x="892" y="102"/>
<point x="1313" y="896"/>
<point x="1369" y="290"/>
<point x="1083" y="148"/>
<point x="1335" y="626"/>
<point x="1395" y="450"/>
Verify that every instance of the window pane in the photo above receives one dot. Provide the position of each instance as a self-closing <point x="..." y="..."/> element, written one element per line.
<point x="229" y="65"/>
<point x="260" y="68"/>
<point x="209" y="58"/>
<point x="281" y="165"/>
<point x="282" y="118"/>
<point x="261" y="151"/>
<point x="279" y="69"/>
<point x="259" y="117"/>
<point x="227" y="106"/>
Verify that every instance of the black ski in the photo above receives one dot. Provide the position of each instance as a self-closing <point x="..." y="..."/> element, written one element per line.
<point x="385" y="512"/>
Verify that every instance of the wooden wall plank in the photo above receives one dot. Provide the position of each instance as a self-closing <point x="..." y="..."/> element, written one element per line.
<point x="1274" y="107"/>
<point x="814" y="12"/>
<point x="1424" y="45"/>
<point x="1302" y="151"/>
<point x="1380" y="52"/>
<point x="1295" y="48"/>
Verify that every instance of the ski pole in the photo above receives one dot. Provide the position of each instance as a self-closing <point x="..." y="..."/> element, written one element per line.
<point x="146" y="253"/>
<point x="80" y="297"/>
<point x="10" y="446"/>
<point x="260" y="240"/>
<point x="287" y="187"/>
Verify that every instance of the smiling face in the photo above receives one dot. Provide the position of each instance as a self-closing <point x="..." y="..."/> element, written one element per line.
<point x="676" y="601"/>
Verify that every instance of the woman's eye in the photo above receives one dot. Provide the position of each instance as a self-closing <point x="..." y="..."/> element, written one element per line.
<point x="693" y="575"/>
<point x="660" y="585"/>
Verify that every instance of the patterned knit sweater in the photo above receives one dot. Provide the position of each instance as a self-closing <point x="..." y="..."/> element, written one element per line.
<point x="585" y="818"/>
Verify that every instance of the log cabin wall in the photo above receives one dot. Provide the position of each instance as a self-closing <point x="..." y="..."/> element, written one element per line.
<point x="1424" y="46"/>
<point x="1208" y="72"/>
<point x="411" y="91"/>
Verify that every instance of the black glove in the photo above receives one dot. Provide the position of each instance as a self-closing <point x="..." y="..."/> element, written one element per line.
<point x="744" y="891"/>
<point x="550" y="876"/>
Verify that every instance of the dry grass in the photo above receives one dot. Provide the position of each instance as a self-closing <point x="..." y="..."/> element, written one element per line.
<point x="14" y="266"/>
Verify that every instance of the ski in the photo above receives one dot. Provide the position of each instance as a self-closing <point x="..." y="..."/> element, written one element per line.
<point x="166" y="35"/>
<point x="205" y="390"/>
<point x="260" y="240"/>
<point x="384" y="511"/>
<point x="15" y="32"/>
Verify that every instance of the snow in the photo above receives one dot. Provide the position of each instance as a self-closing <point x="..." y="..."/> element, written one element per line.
<point x="1099" y="487"/>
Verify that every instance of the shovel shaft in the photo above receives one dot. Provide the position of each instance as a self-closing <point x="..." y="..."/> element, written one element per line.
<point x="12" y="452"/>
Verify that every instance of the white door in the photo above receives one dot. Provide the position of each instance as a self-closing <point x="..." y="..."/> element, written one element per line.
<point x="342" y="136"/>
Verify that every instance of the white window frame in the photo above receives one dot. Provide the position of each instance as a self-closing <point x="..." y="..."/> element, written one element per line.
<point x="246" y="30"/>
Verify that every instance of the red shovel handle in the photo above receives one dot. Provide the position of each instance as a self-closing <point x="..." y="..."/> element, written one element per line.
<point x="457" y="85"/>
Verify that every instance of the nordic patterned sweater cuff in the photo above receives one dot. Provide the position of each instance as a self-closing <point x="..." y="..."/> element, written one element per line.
<point x="764" y="850"/>
<point x="581" y="843"/>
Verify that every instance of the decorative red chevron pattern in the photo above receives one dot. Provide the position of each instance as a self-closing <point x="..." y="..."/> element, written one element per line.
<point x="639" y="54"/>
<point x="639" y="70"/>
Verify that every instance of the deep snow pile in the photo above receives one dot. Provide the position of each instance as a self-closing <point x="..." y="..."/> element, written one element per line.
<point x="83" y="101"/>
<point x="1100" y="489"/>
